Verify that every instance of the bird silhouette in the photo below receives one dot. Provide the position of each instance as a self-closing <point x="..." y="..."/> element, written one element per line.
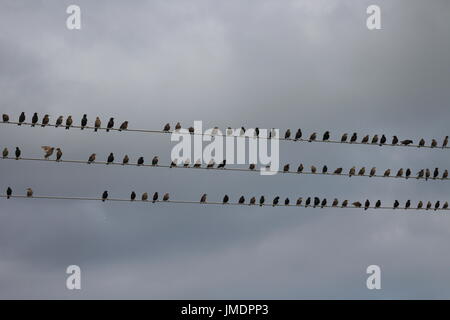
<point x="155" y="160"/>
<point x="378" y="204"/>
<point x="226" y="199"/>
<point x="144" y="196"/>
<point x="408" y="173"/>
<point x="59" y="121"/>
<point x="104" y="196"/>
<point x="354" y="137"/>
<point x="421" y="143"/>
<point x="110" y="124"/>
<point x="427" y="174"/>
<point x="166" y="197"/>
<point x="286" y="202"/>
<point x="382" y="140"/>
<point x="344" y="204"/>
<point x="357" y="204"/>
<point x="365" y="139"/>
<point x="445" y="143"/>
<point x="375" y="139"/>
<point x="21" y="118"/>
<point x="140" y="161"/>
<point x="324" y="203"/>
<point x="252" y="201"/>
<point x="29" y="192"/>
<point x="5" y="153"/>
<point x="275" y="201"/>
<point x="110" y="158"/>
<point x="362" y="171"/>
<point x="338" y="171"/>
<point x="299" y="201"/>
<point x="399" y="173"/>
<point x="222" y="164"/>
<point x="396" y="204"/>
<point x="420" y="205"/>
<point x="307" y="202"/>
<point x="445" y="206"/>
<point x="335" y="203"/>
<point x="252" y="166"/>
<point x="298" y="135"/>
<point x="445" y="174"/>
<point x="18" y="153"/>
<point x="133" y="196"/>
<point x="92" y="158"/>
<point x="203" y="198"/>
<point x="166" y="127"/>
<point x="261" y="201"/>
<point x="59" y="154"/>
<point x="437" y="205"/>
<point x="344" y="137"/>
<point x="407" y="142"/>
<point x="155" y="197"/>
<point x="366" y="205"/>
<point x="84" y="121"/>
<point x="394" y="140"/>
<point x="5" y="117"/>
<point x="324" y="170"/>
<point x="434" y="143"/>
<point x="35" y="119"/>
<point x="313" y="137"/>
<point x="241" y="200"/>
<point x="300" y="168"/>
<point x="326" y="136"/>
<point x="352" y="171"/>
<point x="8" y="193"/>
<point x="177" y="126"/>
<point x="429" y="205"/>
<point x="286" y="168"/>
<point x="287" y="135"/>
<point x="408" y="204"/>
<point x="387" y="173"/>
<point x="420" y="174"/>
<point x="316" y="201"/>
<point x="435" y="173"/>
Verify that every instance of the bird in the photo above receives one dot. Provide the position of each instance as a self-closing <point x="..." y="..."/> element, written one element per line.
<point x="437" y="205"/>
<point x="166" y="127"/>
<point x="365" y="139"/>
<point x="286" y="202"/>
<point x="367" y="204"/>
<point x="399" y="173"/>
<point x="144" y="196"/>
<point x="155" y="197"/>
<point x="275" y="201"/>
<point x="287" y="134"/>
<point x="252" y="166"/>
<point x="104" y="196"/>
<point x="344" y="137"/>
<point x="344" y="204"/>
<point x="45" y="120"/>
<point x="375" y="139"/>
<point x="59" y="121"/>
<point x="97" y="124"/>
<point x="155" y="160"/>
<point x="445" y="143"/>
<point x="110" y="124"/>
<point x="326" y="136"/>
<point x="445" y="206"/>
<point x="5" y="153"/>
<point x="8" y="193"/>
<point x="406" y="142"/>
<point x="298" y="134"/>
<point x="210" y="164"/>
<point x="421" y="143"/>
<point x="242" y="131"/>
<point x="92" y="158"/>
<point x="435" y="173"/>
<point x="125" y="160"/>
<point x="140" y="161"/>
<point x="35" y="119"/>
<point x="300" y="168"/>
<point x="408" y="204"/>
<point x="324" y="170"/>
<point x="48" y="151"/>
<point x="352" y="171"/>
<point x="256" y="132"/>
<point x="429" y="205"/>
<point x="29" y="192"/>
<point x="427" y="174"/>
<point x="21" y="118"/>
<point x="445" y="174"/>
<point x="324" y="203"/>
<point x="382" y="140"/>
<point x="313" y="137"/>
<point x="434" y="143"/>
<point x="198" y="163"/>
<point x="177" y="126"/>
<point x="174" y="163"/>
<point x="226" y="199"/>
<point x="110" y="158"/>
<point x="335" y="203"/>
<point x="222" y="164"/>
<point x="252" y="201"/>
<point x="166" y="197"/>
<point x="394" y="140"/>
<point x="191" y="130"/>
<point x="357" y="204"/>
<point x="299" y="201"/>
<point x="316" y="201"/>
<point x="362" y="171"/>
<point x="420" y="205"/>
<point x="203" y="198"/>
<point x="261" y="201"/>
<point x="124" y="126"/>
<point x="338" y="171"/>
<point x="307" y="202"/>
<point x="187" y="162"/>
<point x="387" y="173"/>
<point x="396" y="204"/>
<point x="69" y="122"/>
<point x="133" y="196"/>
<point x="286" y="168"/>
<point x="420" y="174"/>
<point x="18" y="153"/>
<point x="241" y="200"/>
<point x="408" y="173"/>
<point x="378" y="204"/>
<point x="5" y="117"/>
<point x="84" y="121"/>
<point x="354" y="137"/>
<point x="229" y="131"/>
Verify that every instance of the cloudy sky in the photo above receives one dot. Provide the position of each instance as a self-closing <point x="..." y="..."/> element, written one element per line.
<point x="284" y="64"/>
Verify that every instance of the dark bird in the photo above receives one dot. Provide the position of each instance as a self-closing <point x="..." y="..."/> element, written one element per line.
<point x="166" y="197"/>
<point x="104" y="196"/>
<point x="335" y="203"/>
<point x="324" y="203"/>
<point x="177" y="126"/>
<point x="326" y="136"/>
<point x="69" y="122"/>
<point x="344" y="204"/>
<point x="29" y="192"/>
<point x="252" y="201"/>
<point x="92" y="158"/>
<point x="257" y="132"/>
<point x="252" y="166"/>
<point x="155" y="160"/>
<point x="378" y="204"/>
<point x="338" y="171"/>
<point x="396" y="204"/>
<point x="313" y="169"/>
<point x="298" y="135"/>
<point x="382" y="140"/>
<point x="18" y="153"/>
<point x="429" y="205"/>
<point x="399" y="173"/>
<point x="437" y="205"/>
<point x="287" y="134"/>
<point x="58" y="154"/>
<point x="35" y="119"/>
<point x="406" y="142"/>
<point x="445" y="143"/>
<point x="375" y="139"/>
<point x="110" y="124"/>
<point x="352" y="171"/>
<point x="97" y="124"/>
<point x="174" y="163"/>
<point x="299" y="201"/>
<point x="59" y="121"/>
<point x="365" y="139"/>
<point x="110" y="158"/>
<point x="420" y="205"/>
<point x="45" y="120"/>
<point x="167" y="127"/>
<point x="125" y="160"/>
<point x="5" y="153"/>
<point x="427" y="173"/>
<point x="133" y="196"/>
<point x="155" y="197"/>
<point x="324" y="170"/>
<point x="434" y="143"/>
<point x="362" y="171"/>
<point x="420" y="174"/>
<point x="300" y="168"/>
<point x="286" y="202"/>
<point x="421" y="143"/>
<point x="445" y="206"/>
<point x="48" y="151"/>
<point x="140" y="161"/>
<point x="435" y="173"/>
<point x="8" y="193"/>
<point x="408" y="204"/>
<point x="354" y="137"/>
<point x="5" y="118"/>
<point x="275" y="201"/>
<point x="394" y="140"/>
<point x="308" y="202"/>
<point x="261" y="201"/>
<point x="241" y="200"/>
<point x="387" y="173"/>
<point x="366" y="204"/>
<point x="408" y="173"/>
<point x="316" y="202"/>
<point x="144" y="196"/>
<point x="84" y="121"/>
<point x="21" y="119"/>
<point x="344" y="137"/>
<point x="445" y="174"/>
<point x="226" y="199"/>
<point x="357" y="204"/>
<point x="191" y="130"/>
<point x="286" y="168"/>
<point x="124" y="126"/>
<point x="203" y="198"/>
<point x="222" y="164"/>
<point x="313" y="137"/>
<point x="210" y="164"/>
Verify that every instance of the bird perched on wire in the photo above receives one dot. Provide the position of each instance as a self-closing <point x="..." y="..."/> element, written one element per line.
<point x="366" y="205"/>
<point x="286" y="202"/>
<point x="427" y="174"/>
<point x="166" y="197"/>
<point x="166" y="127"/>
<point x="324" y="169"/>
<point x="198" y="163"/>
<point x="92" y="158"/>
<point x="187" y="162"/>
<point x="375" y="139"/>
<point x="378" y="204"/>
<point x="8" y="193"/>
<point x="203" y="198"/>
<point x="48" y="151"/>
<point x="45" y="120"/>
<point x="69" y="122"/>
<point x="421" y="143"/>
<point x="362" y="171"/>
<point x="352" y="172"/>
<point x="387" y="173"/>
<point x="29" y="192"/>
<point x="324" y="203"/>
<point x="287" y="135"/>
<point x="313" y="169"/>
<point x="357" y="204"/>
<point x="335" y="203"/>
<point x="338" y="171"/>
<point x="177" y="126"/>
<point x="5" y="117"/>
<point x="5" y="153"/>
<point x="155" y="160"/>
<point x="35" y="119"/>
<point x="133" y="196"/>
<point x="140" y="161"/>
<point x="125" y="160"/>
<point x="241" y="200"/>
<point x="326" y="136"/>
<point x="252" y="166"/>
<point x="399" y="173"/>
<point x="354" y="137"/>
<point x="144" y="196"/>
<point x="155" y="197"/>
<point x="445" y="206"/>
<point x="210" y="164"/>
<point x="261" y="201"/>
<point x="344" y="137"/>
<point x="124" y="126"/>
<point x="394" y="140"/>
<point x="407" y="204"/>
<point x="256" y="134"/>
<point x="437" y="205"/>
<point x="110" y="124"/>
<point x="286" y="168"/>
<point x="313" y="137"/>
<point x="344" y="204"/>
<point x="316" y="201"/>
<point x="174" y="163"/>
<point x="229" y="131"/>
<point x="407" y="142"/>
<point x="110" y="158"/>
<point x="84" y="121"/>
<point x="18" y="153"/>
<point x="420" y="205"/>
<point x="420" y="174"/>
<point x="445" y="143"/>
<point x="59" y="121"/>
<point x="21" y="118"/>
<point x="300" y="168"/>
<point x="445" y="174"/>
<point x="435" y="173"/>
<point x="299" y="201"/>
<point x="275" y="201"/>
<point x="396" y="204"/>
<point x="429" y="205"/>
<point x="97" y="124"/>
<point x="191" y="130"/>
<point x="408" y="173"/>
<point x="252" y="201"/>
<point x="365" y="139"/>
<point x="434" y="143"/>
<point x="226" y="198"/>
<point x="307" y="202"/>
<point x="298" y="135"/>
<point x="382" y="140"/>
<point x="222" y="164"/>
<point x="105" y="196"/>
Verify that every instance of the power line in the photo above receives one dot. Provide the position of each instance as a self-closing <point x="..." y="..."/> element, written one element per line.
<point x="398" y="209"/>
<point x="229" y="169"/>
<point x="235" y="136"/>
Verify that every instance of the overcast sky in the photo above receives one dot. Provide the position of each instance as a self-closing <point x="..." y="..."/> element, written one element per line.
<point x="283" y="64"/>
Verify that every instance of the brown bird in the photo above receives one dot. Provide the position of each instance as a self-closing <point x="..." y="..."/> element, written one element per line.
<point x="191" y="130"/>
<point x="287" y="134"/>
<point x="59" y="154"/>
<point x="252" y="201"/>
<point x="167" y="127"/>
<point x="338" y="171"/>
<point x="387" y="173"/>
<point x="434" y="143"/>
<point x="177" y="126"/>
<point x="406" y="142"/>
<point x="445" y="174"/>
<point x="421" y="143"/>
<point x="69" y="122"/>
<point x="299" y="201"/>
<point x="166" y="197"/>
<point x="375" y="139"/>
<point x="313" y="169"/>
<point x="344" y="204"/>
<point x="373" y="171"/>
<point x="48" y="151"/>
<point x="5" y="118"/>
<point x="210" y="164"/>
<point x="286" y="168"/>
<point x="97" y="124"/>
<point x="59" y="121"/>
<point x="420" y="174"/>
<point x="124" y="126"/>
<point x="125" y="160"/>
<point x="5" y="153"/>
<point x="365" y="139"/>
<point x="29" y="192"/>
<point x="344" y="137"/>
<point x="335" y="203"/>
<point x="313" y="137"/>
<point x="400" y="173"/>
<point x="352" y="171"/>
<point x="45" y="120"/>
<point x="445" y="206"/>
<point x="92" y="158"/>
<point x="357" y="204"/>
<point x="420" y="205"/>
<point x="144" y="196"/>
<point x="362" y="171"/>
<point x="203" y="198"/>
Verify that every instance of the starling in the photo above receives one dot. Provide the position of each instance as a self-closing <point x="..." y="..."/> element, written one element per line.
<point x="354" y="137"/>
<point x="18" y="153"/>
<point x="84" y="121"/>
<point x="421" y="143"/>
<point x="104" y="196"/>
<point x="174" y="163"/>
<point x="59" y="121"/>
<point x="429" y="205"/>
<point x="375" y="139"/>
<point x="298" y="135"/>
<point x="125" y="160"/>
<point x="445" y="206"/>
<point x="387" y="173"/>
<point x="45" y="120"/>
<point x="155" y="197"/>
<point x="408" y="173"/>
<point x="313" y="137"/>
<point x="286" y="202"/>
<point x="420" y="205"/>
<point x="222" y="164"/>
<point x="5" y="153"/>
<point x="203" y="198"/>
<point x="97" y="124"/>
<point x="29" y="192"/>
<point x="365" y="139"/>
<point x="287" y="134"/>
<point x="437" y="205"/>
<point x="197" y="164"/>
<point x="357" y="204"/>
<point x="48" y="151"/>
<point x="408" y="204"/>
<point x="434" y="143"/>
<point x="275" y="201"/>
<point x="335" y="203"/>
<point x="396" y="204"/>
<point x="324" y="203"/>
<point x="400" y="173"/>
<point x="367" y="204"/>
<point x="166" y="197"/>
<point x="140" y="161"/>
<point x="316" y="202"/>
<point x="326" y="136"/>
<point x="252" y="201"/>
<point x="69" y="122"/>
<point x="427" y="173"/>
<point x="21" y="119"/>
<point x="8" y="193"/>
<point x="92" y="158"/>
<point x="362" y="171"/>
<point x="226" y="199"/>
<point x="445" y="174"/>
<point x="144" y="196"/>
<point x="124" y="126"/>
<point x="324" y="170"/>
<point x="352" y="171"/>
<point x="406" y="142"/>
<point x="344" y="137"/>
<point x="133" y="196"/>
<point x="378" y="204"/>
<point x="261" y="201"/>
<point x="382" y="140"/>
<point x="344" y="204"/>
<point x="420" y="174"/>
<point x="177" y="126"/>
<point x="394" y="140"/>
<point x="300" y="168"/>
<point x="241" y="200"/>
<point x="210" y="164"/>
<point x="299" y="201"/>
<point x="338" y="171"/>
<point x="252" y="166"/>
<point x="256" y="132"/>
<point x="435" y="173"/>
<point x="58" y="154"/>
<point x="167" y="127"/>
<point x="313" y="169"/>
<point x="191" y="130"/>
<point x="187" y="162"/>
<point x="155" y="160"/>
<point x="110" y="158"/>
<point x="308" y="202"/>
<point x="110" y="124"/>
<point x="445" y="143"/>
<point x="5" y="118"/>
<point x="286" y="168"/>
<point x="35" y="119"/>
